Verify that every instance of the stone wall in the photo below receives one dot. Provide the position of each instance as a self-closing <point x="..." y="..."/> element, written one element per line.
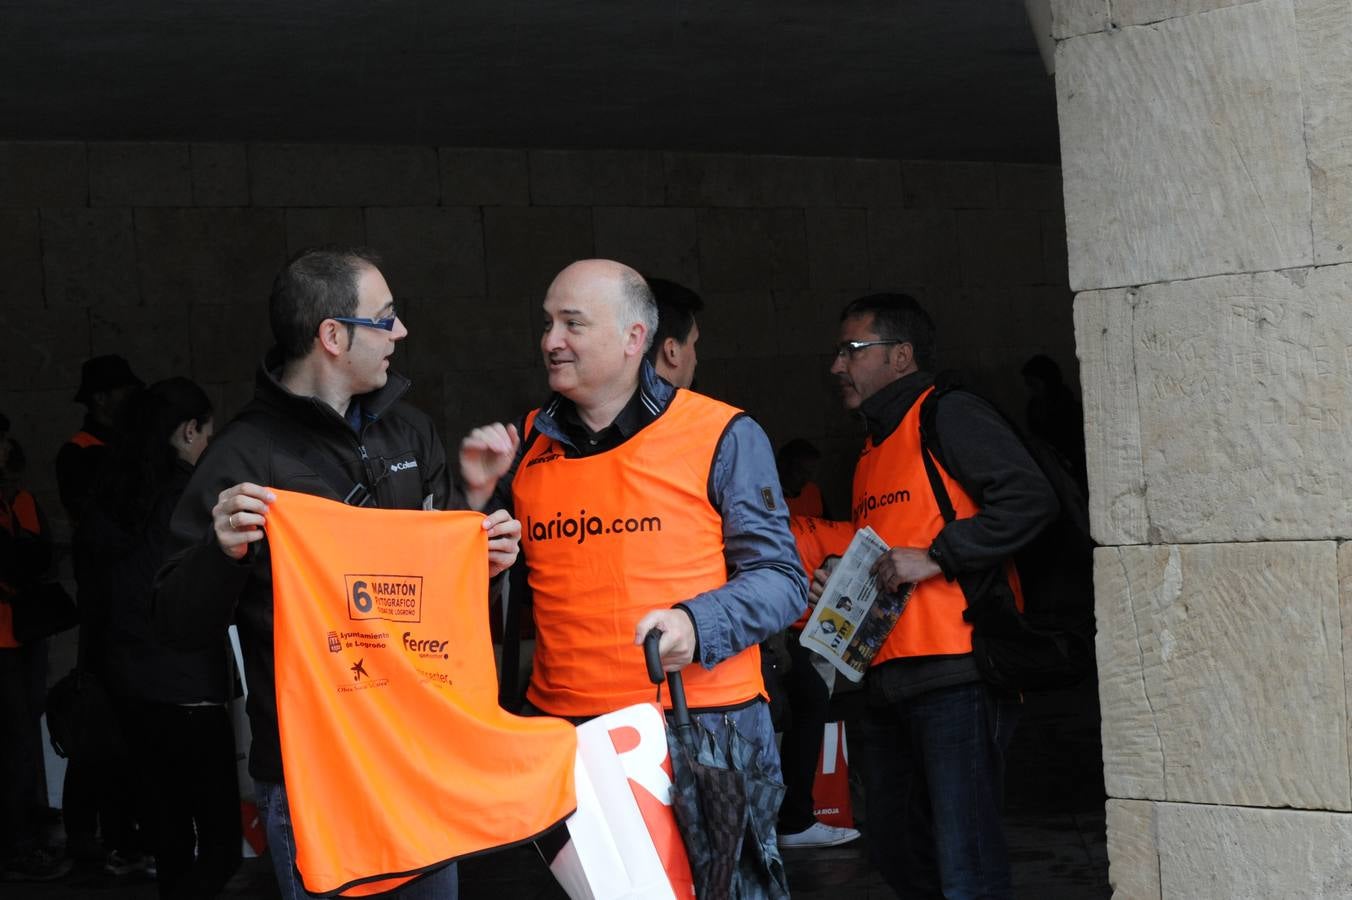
<point x="1207" y="180"/>
<point x="165" y="253"/>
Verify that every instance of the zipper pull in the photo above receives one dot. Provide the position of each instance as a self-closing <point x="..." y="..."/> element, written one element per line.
<point x="361" y="448"/>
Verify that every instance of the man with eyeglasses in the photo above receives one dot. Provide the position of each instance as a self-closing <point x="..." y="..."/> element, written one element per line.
<point x="327" y="419"/>
<point x="935" y="734"/>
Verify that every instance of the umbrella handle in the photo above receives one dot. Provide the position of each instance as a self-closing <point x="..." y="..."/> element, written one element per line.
<point x="675" y="685"/>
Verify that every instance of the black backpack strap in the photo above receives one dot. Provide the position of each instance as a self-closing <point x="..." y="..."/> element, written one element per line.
<point x="353" y="493"/>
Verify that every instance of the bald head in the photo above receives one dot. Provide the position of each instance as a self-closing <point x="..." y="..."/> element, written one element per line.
<point x="620" y="287"/>
<point x="599" y="318"/>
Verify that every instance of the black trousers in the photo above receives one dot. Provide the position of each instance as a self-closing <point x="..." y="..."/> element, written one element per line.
<point x="191" y="811"/>
<point x="809" y="707"/>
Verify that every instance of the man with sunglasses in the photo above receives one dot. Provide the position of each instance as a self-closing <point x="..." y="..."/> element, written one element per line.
<point x="326" y="419"/>
<point x="935" y="734"/>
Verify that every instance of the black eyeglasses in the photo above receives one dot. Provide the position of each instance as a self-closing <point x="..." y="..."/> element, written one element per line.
<point x="850" y="348"/>
<point x="384" y="324"/>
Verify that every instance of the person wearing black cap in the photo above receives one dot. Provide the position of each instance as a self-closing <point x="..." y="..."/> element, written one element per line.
<point x="106" y="384"/>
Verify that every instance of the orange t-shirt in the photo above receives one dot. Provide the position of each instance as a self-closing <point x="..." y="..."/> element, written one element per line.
<point x="396" y="755"/>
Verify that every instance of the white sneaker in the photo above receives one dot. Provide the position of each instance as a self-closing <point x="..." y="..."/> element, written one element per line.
<point x="819" y="834"/>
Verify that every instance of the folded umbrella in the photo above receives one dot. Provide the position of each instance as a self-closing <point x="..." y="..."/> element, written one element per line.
<point x="725" y="806"/>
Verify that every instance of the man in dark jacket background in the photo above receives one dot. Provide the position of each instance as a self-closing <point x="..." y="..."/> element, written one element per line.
<point x="935" y="735"/>
<point x="326" y="420"/>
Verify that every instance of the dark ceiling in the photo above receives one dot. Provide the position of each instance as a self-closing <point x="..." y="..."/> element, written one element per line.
<point x="939" y="79"/>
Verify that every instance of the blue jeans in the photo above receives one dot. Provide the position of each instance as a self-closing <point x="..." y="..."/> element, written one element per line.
<point x="443" y="884"/>
<point x="934" y="773"/>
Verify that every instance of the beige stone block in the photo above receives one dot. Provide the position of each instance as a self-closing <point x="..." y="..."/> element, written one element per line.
<point x="1133" y="850"/>
<point x="1235" y="853"/>
<point x="1236" y="376"/>
<point x="752" y="249"/>
<point x="1055" y="264"/>
<point x="89" y="257"/>
<point x="706" y="179"/>
<point x="733" y="324"/>
<point x="132" y="174"/>
<point x="220" y="175"/>
<point x="837" y="242"/>
<point x="1104" y="332"/>
<point x="1324" y="34"/>
<point x="43" y="173"/>
<point x="429" y="251"/>
<point x="55" y="342"/>
<point x="155" y="340"/>
<point x="227" y="341"/>
<point x="912" y="247"/>
<point x="526" y="247"/>
<point x="342" y="175"/>
<point x="484" y="177"/>
<point x="868" y="182"/>
<point x="491" y="394"/>
<point x="806" y="322"/>
<point x="1020" y="186"/>
<point x="1187" y="636"/>
<point x="1075" y="17"/>
<point x="1001" y="247"/>
<point x="1143" y="12"/>
<point x="457" y="334"/>
<point x="948" y="185"/>
<point x="1182" y="148"/>
<point x="661" y="242"/>
<point x="726" y="180"/>
<point x="596" y="178"/>
<point x="191" y="257"/>
<point x="345" y="226"/>
<point x="21" y="262"/>
<point x="1345" y="595"/>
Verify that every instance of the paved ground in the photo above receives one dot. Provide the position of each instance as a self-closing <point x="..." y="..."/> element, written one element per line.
<point x="1054" y="821"/>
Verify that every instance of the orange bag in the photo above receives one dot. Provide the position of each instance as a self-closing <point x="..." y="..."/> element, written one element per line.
<point x="396" y="755"/>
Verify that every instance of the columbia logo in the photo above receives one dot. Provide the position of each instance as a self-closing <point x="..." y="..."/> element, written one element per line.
<point x="401" y="466"/>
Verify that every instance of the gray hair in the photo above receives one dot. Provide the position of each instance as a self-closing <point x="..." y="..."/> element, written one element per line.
<point x="637" y="304"/>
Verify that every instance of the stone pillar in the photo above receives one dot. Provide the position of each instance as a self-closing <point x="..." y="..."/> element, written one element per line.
<point x="1208" y="183"/>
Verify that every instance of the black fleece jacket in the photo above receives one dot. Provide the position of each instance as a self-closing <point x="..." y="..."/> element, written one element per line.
<point x="275" y="442"/>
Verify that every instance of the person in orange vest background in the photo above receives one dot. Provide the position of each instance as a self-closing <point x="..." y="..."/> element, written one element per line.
<point x="643" y="506"/>
<point x="25" y="555"/>
<point x="797" y="462"/>
<point x="327" y="419"/>
<point x="100" y="829"/>
<point x="809" y="701"/>
<point x="107" y="383"/>
<point x="934" y="737"/>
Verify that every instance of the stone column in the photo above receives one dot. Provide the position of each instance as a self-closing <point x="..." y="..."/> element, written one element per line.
<point x="1207" y="159"/>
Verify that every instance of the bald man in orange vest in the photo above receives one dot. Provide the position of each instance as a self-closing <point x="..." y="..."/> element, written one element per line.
<point x="642" y="506"/>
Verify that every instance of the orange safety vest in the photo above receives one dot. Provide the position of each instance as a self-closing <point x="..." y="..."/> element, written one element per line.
<point x="892" y="494"/>
<point x="84" y="440"/>
<point x="816" y="540"/>
<point x="397" y="757"/>
<point x="22" y="514"/>
<point x="807" y="503"/>
<point x="612" y="536"/>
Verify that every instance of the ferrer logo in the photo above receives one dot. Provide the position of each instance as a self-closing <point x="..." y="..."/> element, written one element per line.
<point x="427" y="648"/>
<point x="394" y="598"/>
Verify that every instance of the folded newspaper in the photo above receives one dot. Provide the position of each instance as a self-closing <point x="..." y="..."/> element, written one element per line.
<point x="853" y="617"/>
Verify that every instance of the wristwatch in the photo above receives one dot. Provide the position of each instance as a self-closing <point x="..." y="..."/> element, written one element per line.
<point x="934" y="554"/>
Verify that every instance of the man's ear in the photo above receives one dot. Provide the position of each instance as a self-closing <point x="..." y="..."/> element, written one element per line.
<point x="671" y="351"/>
<point x="333" y="337"/>
<point x="904" y="360"/>
<point x="634" y="339"/>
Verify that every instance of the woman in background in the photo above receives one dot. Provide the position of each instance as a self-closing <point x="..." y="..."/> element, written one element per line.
<point x="173" y="703"/>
